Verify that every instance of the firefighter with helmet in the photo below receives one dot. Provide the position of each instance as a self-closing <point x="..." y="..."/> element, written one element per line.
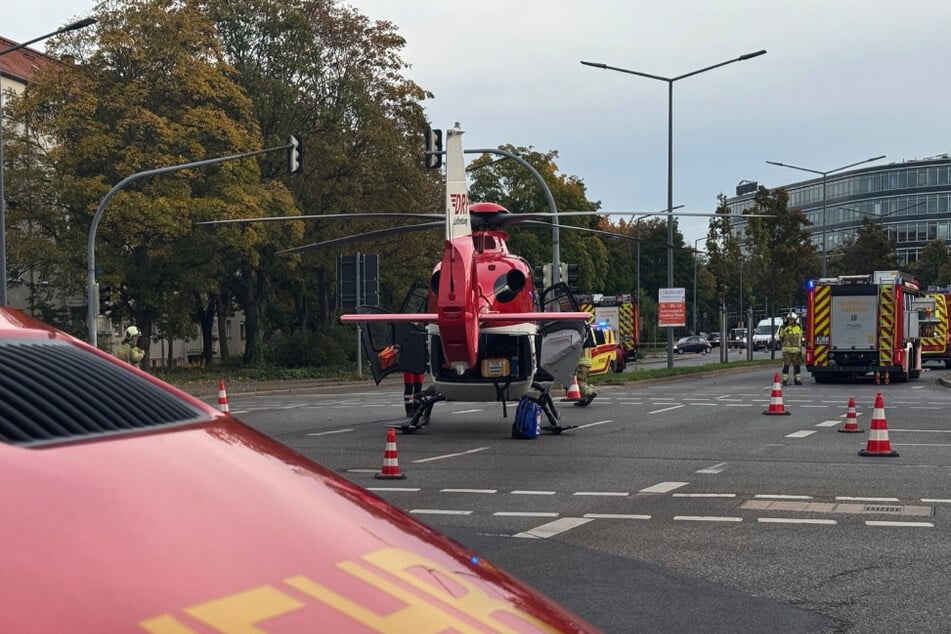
<point x="790" y="337"/>
<point x="129" y="350"/>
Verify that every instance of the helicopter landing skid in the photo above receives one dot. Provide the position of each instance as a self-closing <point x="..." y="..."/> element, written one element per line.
<point x="551" y="412"/>
<point x="420" y="419"/>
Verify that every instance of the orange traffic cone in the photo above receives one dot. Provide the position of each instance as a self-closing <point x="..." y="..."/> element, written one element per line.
<point x="391" y="467"/>
<point x="851" y="422"/>
<point x="222" y="397"/>
<point x="776" y="399"/>
<point x="574" y="392"/>
<point x="878" y="444"/>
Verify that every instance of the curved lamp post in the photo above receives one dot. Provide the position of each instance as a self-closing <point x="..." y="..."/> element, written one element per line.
<point x="670" y="160"/>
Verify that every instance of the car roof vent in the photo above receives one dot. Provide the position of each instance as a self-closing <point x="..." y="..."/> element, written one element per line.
<point x="53" y="391"/>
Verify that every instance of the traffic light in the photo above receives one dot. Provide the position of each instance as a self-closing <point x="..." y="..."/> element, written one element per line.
<point x="538" y="278"/>
<point x="432" y="157"/>
<point x="294" y="154"/>
<point x="569" y="275"/>
<point x="104" y="297"/>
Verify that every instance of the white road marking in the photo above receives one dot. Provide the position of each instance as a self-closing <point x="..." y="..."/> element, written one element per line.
<point x="920" y="444"/>
<point x="533" y="492"/>
<point x="466" y="411"/>
<point x="859" y="499"/>
<point x="921" y="407"/>
<point x="808" y="406"/>
<point x="615" y="516"/>
<point x="900" y="524"/>
<point x="439" y="512"/>
<point x="664" y="487"/>
<point x="704" y="404"/>
<point x="706" y="518"/>
<point x="523" y="514"/>
<point x="327" y="433"/>
<point x="739" y="405"/>
<point x="717" y="468"/>
<point x="397" y="489"/>
<point x="771" y="496"/>
<point x="468" y="490"/>
<point x="602" y="493"/>
<point x="801" y="433"/>
<point x="921" y="431"/>
<point x="935" y="501"/>
<point x="451" y="455"/>
<point x="704" y="495"/>
<point x="666" y="409"/>
<point x="363" y="470"/>
<point x="600" y="422"/>
<point x="553" y="528"/>
<point x="827" y="423"/>
<point x="793" y="520"/>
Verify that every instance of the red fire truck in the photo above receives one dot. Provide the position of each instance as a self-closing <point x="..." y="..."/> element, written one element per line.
<point x="860" y="325"/>
<point x="935" y="333"/>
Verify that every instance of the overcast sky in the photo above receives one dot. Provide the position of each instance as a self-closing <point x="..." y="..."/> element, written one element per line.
<point x="843" y="80"/>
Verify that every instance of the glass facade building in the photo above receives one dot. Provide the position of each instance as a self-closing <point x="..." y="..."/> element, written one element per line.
<point x="911" y="200"/>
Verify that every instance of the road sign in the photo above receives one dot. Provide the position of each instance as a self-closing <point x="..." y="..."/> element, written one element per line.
<point x="671" y="307"/>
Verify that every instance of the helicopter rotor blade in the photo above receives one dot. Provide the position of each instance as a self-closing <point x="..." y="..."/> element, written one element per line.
<point x="353" y="216"/>
<point x="364" y="236"/>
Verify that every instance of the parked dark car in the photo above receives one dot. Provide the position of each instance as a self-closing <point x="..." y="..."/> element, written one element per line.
<point x="714" y="339"/>
<point x="694" y="343"/>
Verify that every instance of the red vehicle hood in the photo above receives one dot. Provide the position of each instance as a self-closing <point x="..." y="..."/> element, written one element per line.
<point x="213" y="527"/>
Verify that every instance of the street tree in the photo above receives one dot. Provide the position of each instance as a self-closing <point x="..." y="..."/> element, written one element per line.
<point x="871" y="250"/>
<point x="782" y="255"/>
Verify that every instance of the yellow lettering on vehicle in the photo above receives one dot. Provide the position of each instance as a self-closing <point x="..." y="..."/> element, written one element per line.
<point x="443" y="601"/>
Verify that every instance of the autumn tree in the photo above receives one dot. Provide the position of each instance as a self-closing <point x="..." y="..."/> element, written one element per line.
<point x="782" y="256"/>
<point x="870" y="250"/>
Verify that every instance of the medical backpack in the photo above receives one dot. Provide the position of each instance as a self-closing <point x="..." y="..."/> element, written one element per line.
<point x="528" y="418"/>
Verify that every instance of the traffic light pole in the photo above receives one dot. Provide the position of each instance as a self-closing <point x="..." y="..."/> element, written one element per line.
<point x="92" y="298"/>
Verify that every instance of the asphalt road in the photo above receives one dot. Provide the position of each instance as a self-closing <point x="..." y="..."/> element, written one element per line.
<point x="676" y="505"/>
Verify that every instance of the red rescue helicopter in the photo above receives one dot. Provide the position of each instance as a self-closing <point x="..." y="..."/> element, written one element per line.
<point x="479" y="326"/>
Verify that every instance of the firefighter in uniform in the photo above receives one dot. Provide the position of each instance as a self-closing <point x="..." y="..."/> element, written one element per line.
<point x="790" y="337"/>
<point x="584" y="367"/>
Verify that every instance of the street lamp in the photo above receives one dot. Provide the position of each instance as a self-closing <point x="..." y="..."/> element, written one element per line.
<point x="696" y="252"/>
<point x="670" y="161"/>
<point x="3" y="199"/>
<point x="824" y="175"/>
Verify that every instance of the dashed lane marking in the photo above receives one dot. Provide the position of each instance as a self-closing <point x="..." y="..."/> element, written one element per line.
<point x="704" y="495"/>
<point x="467" y="411"/>
<point x="615" y="516"/>
<point x="664" y="487"/>
<point x="524" y="514"/>
<point x="935" y="501"/>
<point x="846" y="498"/>
<point x="827" y="423"/>
<point x="468" y="490"/>
<point x="779" y="496"/>
<point x="533" y="492"/>
<point x="397" y="489"/>
<point x="666" y="409"/>
<point x="554" y="528"/>
<point x="801" y="433"/>
<point x="450" y="455"/>
<point x="793" y="520"/>
<point x="327" y="433"/>
<point x="602" y="493"/>
<point x="900" y="524"/>
<point x="717" y="468"/>
<point x="596" y="423"/>
<point x="706" y="518"/>
<point x="439" y="512"/>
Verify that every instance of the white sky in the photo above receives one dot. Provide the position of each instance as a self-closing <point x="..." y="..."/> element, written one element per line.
<point x="843" y="80"/>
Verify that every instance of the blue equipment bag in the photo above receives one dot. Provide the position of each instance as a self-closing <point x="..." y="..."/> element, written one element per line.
<point x="528" y="416"/>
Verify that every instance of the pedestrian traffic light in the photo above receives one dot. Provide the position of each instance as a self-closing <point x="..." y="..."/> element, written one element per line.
<point x="294" y="154"/>
<point x="432" y="157"/>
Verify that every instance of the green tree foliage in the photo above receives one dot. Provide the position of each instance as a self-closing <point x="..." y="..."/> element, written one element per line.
<point x="150" y="90"/>
<point x="725" y="262"/>
<point x="871" y="250"/>
<point x="324" y="71"/>
<point x="510" y="184"/>
<point x="931" y="263"/>
<point x="782" y="256"/>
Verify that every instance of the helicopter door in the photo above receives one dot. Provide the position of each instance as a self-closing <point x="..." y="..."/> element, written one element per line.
<point x="559" y="342"/>
<point x="379" y="344"/>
